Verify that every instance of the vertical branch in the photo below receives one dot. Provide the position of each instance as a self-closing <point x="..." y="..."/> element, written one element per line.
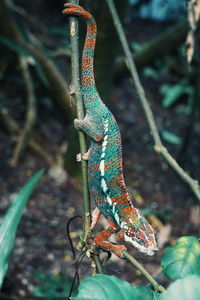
<point x="158" y="146"/>
<point x="76" y="95"/>
<point x="31" y="113"/>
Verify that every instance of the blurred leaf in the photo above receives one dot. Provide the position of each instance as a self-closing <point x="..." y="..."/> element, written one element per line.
<point x="23" y="51"/>
<point x="41" y="74"/>
<point x="104" y="287"/>
<point x="187" y="288"/>
<point x="174" y="92"/>
<point x="150" y="72"/>
<point x="22" y="26"/>
<point x="171" y="138"/>
<point x="14" y="46"/>
<point x="11" y="220"/>
<point x="182" y="259"/>
<point x="171" y="94"/>
<point x="136" y="46"/>
<point x="53" y="286"/>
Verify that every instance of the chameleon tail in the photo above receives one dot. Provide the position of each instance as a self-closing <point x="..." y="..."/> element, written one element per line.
<point x="87" y="67"/>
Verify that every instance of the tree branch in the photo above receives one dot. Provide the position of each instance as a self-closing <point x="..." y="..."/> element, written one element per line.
<point x="31" y="112"/>
<point x="12" y="127"/>
<point x="144" y="272"/>
<point x="76" y="94"/>
<point x="158" y="146"/>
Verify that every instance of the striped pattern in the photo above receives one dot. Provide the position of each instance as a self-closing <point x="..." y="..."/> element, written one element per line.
<point x="105" y="173"/>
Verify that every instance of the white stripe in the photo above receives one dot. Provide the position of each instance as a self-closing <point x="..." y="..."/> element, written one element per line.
<point x="102" y="167"/>
<point x="109" y="200"/>
<point x="102" y="172"/>
<point x="103" y="185"/>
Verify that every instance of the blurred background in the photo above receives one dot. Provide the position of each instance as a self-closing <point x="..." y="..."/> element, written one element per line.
<point x="36" y="131"/>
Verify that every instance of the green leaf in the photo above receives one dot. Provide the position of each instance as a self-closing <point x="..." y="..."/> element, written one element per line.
<point x="150" y="72"/>
<point x="171" y="138"/>
<point x="104" y="287"/>
<point x="53" y="287"/>
<point x="143" y="292"/>
<point x="187" y="288"/>
<point x="11" y="220"/>
<point x="182" y="259"/>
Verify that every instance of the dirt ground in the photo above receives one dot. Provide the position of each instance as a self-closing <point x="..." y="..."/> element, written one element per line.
<point x="41" y="242"/>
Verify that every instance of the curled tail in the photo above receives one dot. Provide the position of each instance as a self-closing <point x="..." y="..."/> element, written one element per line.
<point x="87" y="63"/>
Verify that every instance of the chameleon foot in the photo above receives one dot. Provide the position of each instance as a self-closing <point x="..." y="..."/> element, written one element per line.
<point x="84" y="157"/>
<point x="118" y="250"/>
<point x="102" y="241"/>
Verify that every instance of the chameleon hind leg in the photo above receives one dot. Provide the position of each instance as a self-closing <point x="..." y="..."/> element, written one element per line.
<point x="102" y="241"/>
<point x="90" y="127"/>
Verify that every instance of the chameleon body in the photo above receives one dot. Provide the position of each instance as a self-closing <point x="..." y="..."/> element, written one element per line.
<point x="105" y="172"/>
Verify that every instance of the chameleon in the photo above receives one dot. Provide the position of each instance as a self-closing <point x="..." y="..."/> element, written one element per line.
<point x="105" y="167"/>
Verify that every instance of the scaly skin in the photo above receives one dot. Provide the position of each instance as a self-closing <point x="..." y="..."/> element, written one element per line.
<point x="105" y="174"/>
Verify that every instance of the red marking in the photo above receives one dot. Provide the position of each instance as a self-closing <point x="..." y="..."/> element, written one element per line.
<point x="77" y="10"/>
<point x="120" y="181"/>
<point x="87" y="81"/>
<point x="92" y="29"/>
<point x="90" y="43"/>
<point x="93" y="170"/>
<point x="73" y="5"/>
<point x="87" y="61"/>
<point x="101" y="240"/>
<point x="125" y="210"/>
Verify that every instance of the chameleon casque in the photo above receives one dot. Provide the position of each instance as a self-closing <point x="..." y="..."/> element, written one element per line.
<point x="105" y="173"/>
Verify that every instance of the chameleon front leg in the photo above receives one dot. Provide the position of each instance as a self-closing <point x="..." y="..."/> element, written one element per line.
<point x="102" y="241"/>
<point x="91" y="127"/>
<point x="85" y="156"/>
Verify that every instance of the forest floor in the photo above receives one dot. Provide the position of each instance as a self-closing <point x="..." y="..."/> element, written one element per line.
<point x="41" y="244"/>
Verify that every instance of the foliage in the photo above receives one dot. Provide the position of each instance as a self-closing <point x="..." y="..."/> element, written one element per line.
<point x="182" y="259"/>
<point x="187" y="288"/>
<point x="11" y="221"/>
<point x="52" y="286"/>
<point x="171" y="138"/>
<point x="172" y="93"/>
<point x="104" y="287"/>
<point x="180" y="262"/>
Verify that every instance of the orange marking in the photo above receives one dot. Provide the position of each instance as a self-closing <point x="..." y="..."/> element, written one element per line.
<point x="125" y="210"/>
<point x="87" y="61"/>
<point x="78" y="11"/>
<point x="87" y="81"/>
<point x="90" y="43"/>
<point x="92" y="29"/>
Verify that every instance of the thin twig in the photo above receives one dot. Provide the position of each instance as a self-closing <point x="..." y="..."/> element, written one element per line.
<point x="76" y="94"/>
<point x="29" y="18"/>
<point x="158" y="146"/>
<point x="98" y="263"/>
<point x="12" y="127"/>
<point x="31" y="112"/>
<point x="144" y="272"/>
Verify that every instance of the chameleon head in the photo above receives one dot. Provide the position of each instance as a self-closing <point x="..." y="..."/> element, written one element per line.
<point x="139" y="234"/>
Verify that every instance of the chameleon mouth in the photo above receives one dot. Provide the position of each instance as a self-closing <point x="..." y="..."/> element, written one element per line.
<point x="149" y="251"/>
